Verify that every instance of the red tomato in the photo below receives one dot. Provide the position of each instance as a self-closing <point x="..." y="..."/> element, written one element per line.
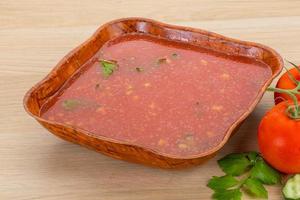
<point x="279" y="139"/>
<point x="286" y="83"/>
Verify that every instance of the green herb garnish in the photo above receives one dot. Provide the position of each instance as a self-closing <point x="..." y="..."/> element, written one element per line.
<point x="108" y="67"/>
<point x="161" y="61"/>
<point x="247" y="171"/>
<point x="255" y="188"/>
<point x="264" y="173"/>
<point x="139" y="69"/>
<point x="174" y="55"/>
<point x="97" y="86"/>
<point x="232" y="194"/>
<point x="222" y="182"/>
<point x="71" y="104"/>
<point x="234" y="164"/>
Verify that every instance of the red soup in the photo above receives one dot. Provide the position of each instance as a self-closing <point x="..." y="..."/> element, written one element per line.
<point x="170" y="97"/>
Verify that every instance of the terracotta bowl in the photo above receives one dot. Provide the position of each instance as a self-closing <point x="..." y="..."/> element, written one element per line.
<point x="43" y="90"/>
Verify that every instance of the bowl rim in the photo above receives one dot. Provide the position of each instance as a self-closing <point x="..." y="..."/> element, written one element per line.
<point x="212" y="150"/>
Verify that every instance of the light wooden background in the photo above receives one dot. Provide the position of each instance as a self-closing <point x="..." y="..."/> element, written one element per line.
<point x="36" y="34"/>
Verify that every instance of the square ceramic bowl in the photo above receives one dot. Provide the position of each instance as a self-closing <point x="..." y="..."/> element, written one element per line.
<point x="46" y="88"/>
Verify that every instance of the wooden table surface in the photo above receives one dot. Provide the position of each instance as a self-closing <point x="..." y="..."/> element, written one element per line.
<point x="35" y="35"/>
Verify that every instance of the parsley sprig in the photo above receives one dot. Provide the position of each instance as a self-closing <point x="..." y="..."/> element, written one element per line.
<point x="247" y="171"/>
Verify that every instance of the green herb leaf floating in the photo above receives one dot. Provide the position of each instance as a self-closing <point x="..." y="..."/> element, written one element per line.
<point x="139" y="69"/>
<point x="97" y="86"/>
<point x="234" y="194"/>
<point x="263" y="172"/>
<point x="108" y="67"/>
<point x="174" y="55"/>
<point x="234" y="164"/>
<point x="161" y="61"/>
<point x="247" y="171"/>
<point x="223" y="182"/>
<point x="71" y="104"/>
<point x="255" y="188"/>
<point x="291" y="190"/>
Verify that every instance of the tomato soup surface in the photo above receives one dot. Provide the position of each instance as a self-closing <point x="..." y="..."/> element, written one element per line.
<point x="173" y="98"/>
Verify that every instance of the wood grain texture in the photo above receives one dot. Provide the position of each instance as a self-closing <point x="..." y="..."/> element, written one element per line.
<point x="34" y="35"/>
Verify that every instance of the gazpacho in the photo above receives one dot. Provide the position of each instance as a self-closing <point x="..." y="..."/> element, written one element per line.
<point x="173" y="98"/>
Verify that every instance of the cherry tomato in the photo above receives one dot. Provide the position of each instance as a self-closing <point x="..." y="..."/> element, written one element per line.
<point x="279" y="139"/>
<point x="286" y="83"/>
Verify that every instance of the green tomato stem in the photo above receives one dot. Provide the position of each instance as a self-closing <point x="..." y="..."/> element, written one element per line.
<point x="296" y="90"/>
<point x="298" y="68"/>
<point x="291" y="76"/>
<point x="292" y="111"/>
